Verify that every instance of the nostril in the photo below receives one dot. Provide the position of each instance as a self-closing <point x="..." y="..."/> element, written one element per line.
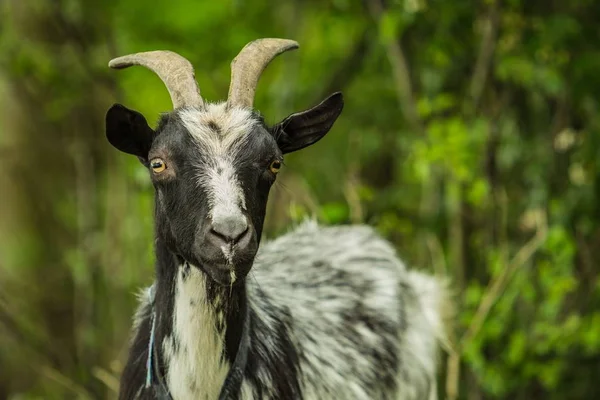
<point x="242" y="233"/>
<point x="229" y="229"/>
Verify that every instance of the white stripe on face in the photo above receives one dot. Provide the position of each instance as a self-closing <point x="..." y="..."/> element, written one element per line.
<point x="221" y="133"/>
<point x="225" y="194"/>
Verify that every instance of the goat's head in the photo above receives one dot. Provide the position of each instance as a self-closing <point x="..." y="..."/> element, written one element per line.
<point x="212" y="165"/>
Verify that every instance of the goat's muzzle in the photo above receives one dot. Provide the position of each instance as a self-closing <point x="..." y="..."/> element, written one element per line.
<point x="226" y="247"/>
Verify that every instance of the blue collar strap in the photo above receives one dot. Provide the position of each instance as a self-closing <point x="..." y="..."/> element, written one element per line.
<point x="150" y="350"/>
<point x="160" y="391"/>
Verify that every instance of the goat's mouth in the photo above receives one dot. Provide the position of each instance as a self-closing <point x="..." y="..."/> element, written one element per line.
<point x="225" y="261"/>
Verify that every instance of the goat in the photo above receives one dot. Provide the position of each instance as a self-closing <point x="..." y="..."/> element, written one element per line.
<point x="328" y="312"/>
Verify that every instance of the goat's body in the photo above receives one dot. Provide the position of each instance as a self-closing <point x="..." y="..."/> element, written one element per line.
<point x="358" y="325"/>
<point x="333" y="314"/>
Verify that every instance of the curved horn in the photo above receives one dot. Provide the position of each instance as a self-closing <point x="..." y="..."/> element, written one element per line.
<point x="175" y="71"/>
<point x="249" y="64"/>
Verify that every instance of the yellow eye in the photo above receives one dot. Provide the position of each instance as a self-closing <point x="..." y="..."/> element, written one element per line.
<point x="275" y="166"/>
<point x="158" y="165"/>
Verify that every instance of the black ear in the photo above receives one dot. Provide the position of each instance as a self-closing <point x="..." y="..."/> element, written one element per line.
<point x="128" y="131"/>
<point x="302" y="129"/>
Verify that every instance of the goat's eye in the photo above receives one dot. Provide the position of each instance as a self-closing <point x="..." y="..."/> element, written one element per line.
<point x="158" y="165"/>
<point x="275" y="166"/>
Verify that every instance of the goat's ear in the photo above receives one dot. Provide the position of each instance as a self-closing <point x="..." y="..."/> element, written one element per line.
<point x="128" y="131"/>
<point x="302" y="129"/>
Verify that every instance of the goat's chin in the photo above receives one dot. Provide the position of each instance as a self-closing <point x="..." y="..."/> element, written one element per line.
<point x="225" y="277"/>
<point x="225" y="274"/>
<point x="225" y="264"/>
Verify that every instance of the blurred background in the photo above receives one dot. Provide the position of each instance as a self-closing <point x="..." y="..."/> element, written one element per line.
<point x="470" y="139"/>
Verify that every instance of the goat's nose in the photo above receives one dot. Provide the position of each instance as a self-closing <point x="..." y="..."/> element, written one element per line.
<point x="230" y="228"/>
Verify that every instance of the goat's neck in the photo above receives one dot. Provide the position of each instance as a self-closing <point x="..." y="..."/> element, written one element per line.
<point x="199" y="326"/>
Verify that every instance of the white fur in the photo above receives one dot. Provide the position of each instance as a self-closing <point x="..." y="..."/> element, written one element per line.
<point x="234" y="124"/>
<point x="146" y="300"/>
<point x="196" y="368"/>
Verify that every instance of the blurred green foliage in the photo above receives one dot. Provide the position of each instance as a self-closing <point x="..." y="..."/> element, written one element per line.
<point x="469" y="139"/>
